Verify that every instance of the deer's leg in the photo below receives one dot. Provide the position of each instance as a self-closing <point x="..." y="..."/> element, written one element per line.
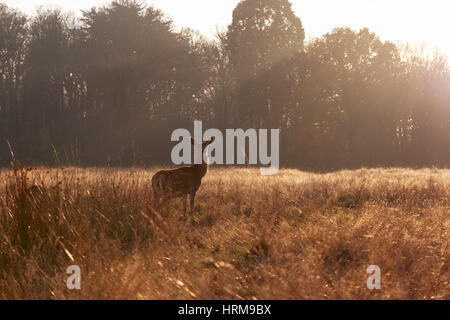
<point x="184" y="204"/>
<point x="192" y="198"/>
<point x="156" y="201"/>
<point x="156" y="197"/>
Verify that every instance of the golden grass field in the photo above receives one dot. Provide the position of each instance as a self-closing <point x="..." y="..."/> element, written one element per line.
<point x="294" y="235"/>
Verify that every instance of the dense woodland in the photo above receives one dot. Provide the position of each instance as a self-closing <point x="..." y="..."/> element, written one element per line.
<point x="109" y="88"/>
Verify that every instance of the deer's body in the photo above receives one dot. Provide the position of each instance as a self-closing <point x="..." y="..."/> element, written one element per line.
<point x="180" y="182"/>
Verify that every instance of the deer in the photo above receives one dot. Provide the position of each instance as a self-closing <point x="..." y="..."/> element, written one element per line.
<point x="180" y="182"/>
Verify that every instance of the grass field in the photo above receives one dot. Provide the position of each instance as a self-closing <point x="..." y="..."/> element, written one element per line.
<point x="294" y="235"/>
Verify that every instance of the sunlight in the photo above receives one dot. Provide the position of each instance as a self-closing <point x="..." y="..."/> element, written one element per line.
<point x="407" y="21"/>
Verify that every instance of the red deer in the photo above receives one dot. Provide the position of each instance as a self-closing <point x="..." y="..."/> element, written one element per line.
<point x="180" y="182"/>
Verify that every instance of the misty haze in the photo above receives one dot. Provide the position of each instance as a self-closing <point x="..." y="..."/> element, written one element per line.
<point x="89" y="101"/>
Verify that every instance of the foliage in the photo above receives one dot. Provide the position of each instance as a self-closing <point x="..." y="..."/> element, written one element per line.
<point x="109" y="88"/>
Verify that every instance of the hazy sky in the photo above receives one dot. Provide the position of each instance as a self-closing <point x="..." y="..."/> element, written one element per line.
<point x="414" y="21"/>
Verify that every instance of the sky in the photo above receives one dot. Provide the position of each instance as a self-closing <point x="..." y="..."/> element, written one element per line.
<point x="419" y="22"/>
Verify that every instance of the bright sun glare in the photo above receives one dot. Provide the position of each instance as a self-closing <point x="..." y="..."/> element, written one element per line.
<point x="417" y="22"/>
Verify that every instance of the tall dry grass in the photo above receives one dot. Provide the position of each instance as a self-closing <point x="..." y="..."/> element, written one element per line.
<point x="294" y="235"/>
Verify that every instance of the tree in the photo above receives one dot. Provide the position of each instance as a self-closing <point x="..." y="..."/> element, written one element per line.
<point x="45" y="74"/>
<point x="113" y="85"/>
<point x="264" y="39"/>
<point x="137" y="71"/>
<point x="13" y="34"/>
<point x="351" y="107"/>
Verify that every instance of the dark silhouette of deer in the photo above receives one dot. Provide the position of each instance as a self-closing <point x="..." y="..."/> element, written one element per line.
<point x="180" y="182"/>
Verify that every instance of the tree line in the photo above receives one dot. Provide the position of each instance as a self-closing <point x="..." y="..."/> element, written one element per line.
<point x="108" y="88"/>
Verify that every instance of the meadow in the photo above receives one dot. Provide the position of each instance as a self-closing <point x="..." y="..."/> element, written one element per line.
<point x="294" y="235"/>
